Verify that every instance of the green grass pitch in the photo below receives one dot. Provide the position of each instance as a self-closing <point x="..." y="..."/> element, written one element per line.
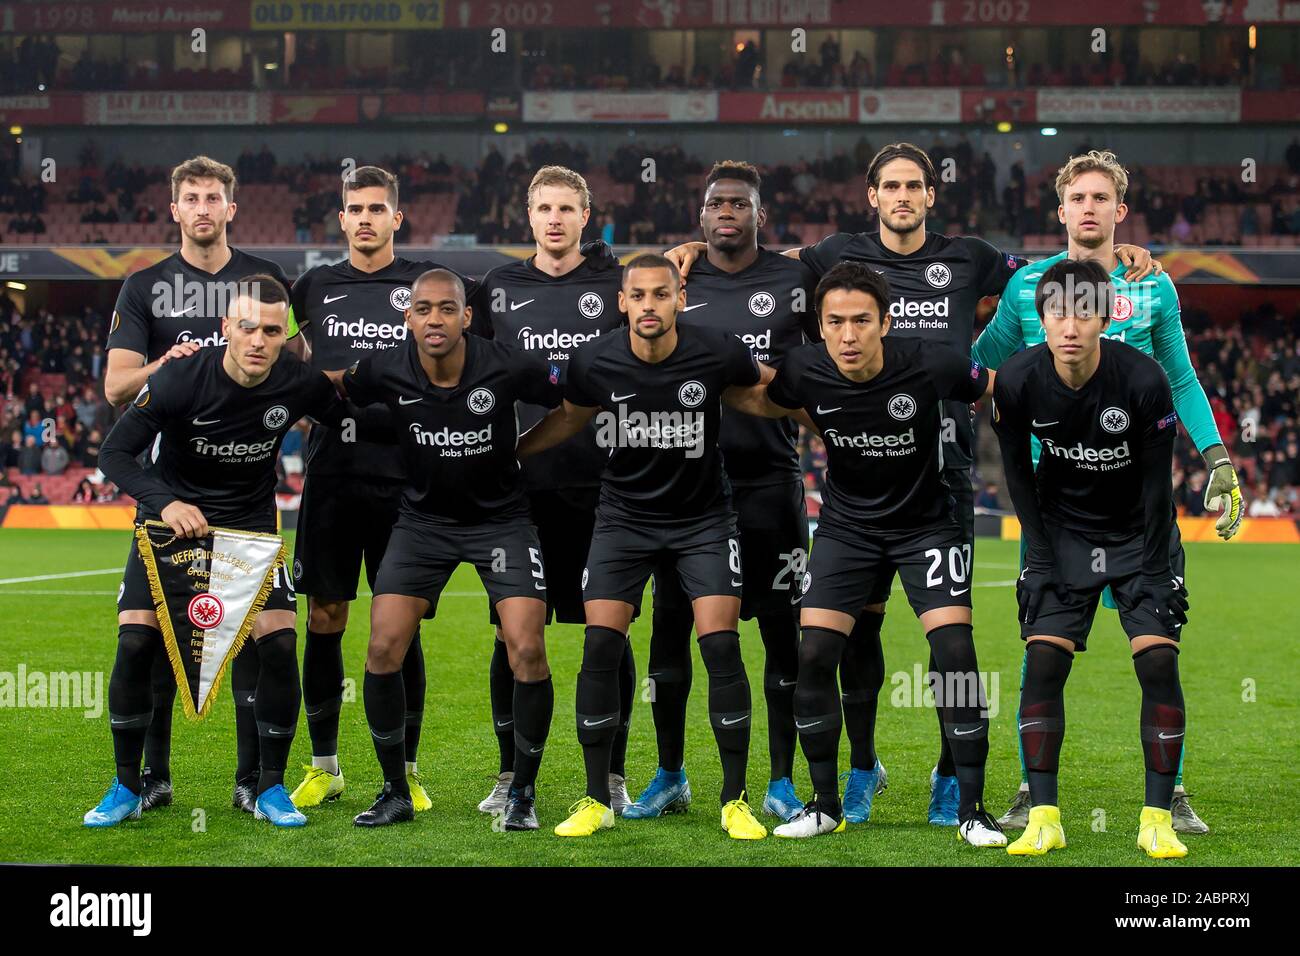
<point x="1239" y="674"/>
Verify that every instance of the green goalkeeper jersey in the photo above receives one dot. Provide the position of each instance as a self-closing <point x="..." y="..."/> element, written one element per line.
<point x="1146" y="316"/>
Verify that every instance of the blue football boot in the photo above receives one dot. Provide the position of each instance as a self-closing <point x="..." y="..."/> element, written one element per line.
<point x="666" y="793"/>
<point x="861" y="790"/>
<point x="277" y="806"/>
<point x="118" y="804"/>
<point x="781" y="800"/>
<point x="944" y="798"/>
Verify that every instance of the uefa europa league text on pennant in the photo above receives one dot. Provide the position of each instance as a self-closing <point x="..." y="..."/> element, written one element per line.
<point x="207" y="593"/>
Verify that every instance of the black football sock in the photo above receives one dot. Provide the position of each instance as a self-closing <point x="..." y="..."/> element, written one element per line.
<point x="780" y="633"/>
<point x="959" y="696"/>
<point x="534" y="703"/>
<point x="413" y="678"/>
<point x="945" y="766"/>
<point x="597" y="705"/>
<point x="626" y="700"/>
<point x="279" y="695"/>
<point x="501" y="690"/>
<point x="244" y="671"/>
<point x="730" y="707"/>
<point x="1041" y="719"/>
<point x="385" y="700"/>
<point x="158" y="738"/>
<point x="862" y="674"/>
<point x="1163" y="721"/>
<point x="130" y="698"/>
<point x="322" y="690"/>
<point x="669" y="671"/>
<point x="817" y="712"/>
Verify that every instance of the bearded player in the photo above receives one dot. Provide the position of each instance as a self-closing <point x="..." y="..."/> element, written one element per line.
<point x="937" y="281"/>
<point x="243" y="396"/>
<point x="167" y="311"/>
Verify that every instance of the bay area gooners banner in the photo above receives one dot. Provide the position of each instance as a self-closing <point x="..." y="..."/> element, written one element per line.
<point x="207" y="593"/>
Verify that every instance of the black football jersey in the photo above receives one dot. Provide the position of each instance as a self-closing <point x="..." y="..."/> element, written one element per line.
<point x="347" y="314"/>
<point x="935" y="291"/>
<point x="770" y="307"/>
<point x="659" y="422"/>
<point x="458" y="443"/>
<point x="881" y="435"/>
<point x="1089" y="474"/>
<point x="172" y="302"/>
<point x="551" y="317"/>
<point x="220" y="440"/>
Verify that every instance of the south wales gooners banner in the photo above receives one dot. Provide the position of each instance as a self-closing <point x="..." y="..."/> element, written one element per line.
<point x="207" y="593"/>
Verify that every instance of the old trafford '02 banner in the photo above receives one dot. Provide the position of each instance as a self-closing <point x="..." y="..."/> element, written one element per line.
<point x="207" y="593"/>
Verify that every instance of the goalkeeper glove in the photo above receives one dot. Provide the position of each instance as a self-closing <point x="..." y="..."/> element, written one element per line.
<point x="1223" y="492"/>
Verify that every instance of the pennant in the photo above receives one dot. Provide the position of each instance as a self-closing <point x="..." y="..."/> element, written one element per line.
<point x="207" y="592"/>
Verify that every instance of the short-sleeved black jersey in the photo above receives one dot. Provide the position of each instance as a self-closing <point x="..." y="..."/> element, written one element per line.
<point x="348" y="314"/>
<point x="881" y="435"/>
<point x="171" y="302"/>
<point x="551" y="317"/>
<point x="219" y="439"/>
<point x="458" y="443"/>
<point x="659" y="421"/>
<point x="1094" y="439"/>
<point x="935" y="292"/>
<point x="769" y="305"/>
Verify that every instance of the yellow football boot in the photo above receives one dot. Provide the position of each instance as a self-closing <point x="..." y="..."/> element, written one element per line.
<point x="1042" y="833"/>
<point x="1156" y="835"/>
<point x="739" y="821"/>
<point x="585" y="818"/>
<point x="319" y="786"/>
<point x="419" y="796"/>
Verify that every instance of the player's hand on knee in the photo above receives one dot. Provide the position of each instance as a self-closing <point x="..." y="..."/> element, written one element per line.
<point x="1031" y="586"/>
<point x="185" y="520"/>
<point x="1168" y="597"/>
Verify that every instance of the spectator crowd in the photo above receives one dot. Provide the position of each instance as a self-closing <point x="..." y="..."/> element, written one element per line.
<point x="614" y="61"/>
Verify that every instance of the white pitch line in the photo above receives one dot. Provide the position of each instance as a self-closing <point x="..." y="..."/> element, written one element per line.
<point x="62" y="593"/>
<point x="60" y="577"/>
<point x="58" y="592"/>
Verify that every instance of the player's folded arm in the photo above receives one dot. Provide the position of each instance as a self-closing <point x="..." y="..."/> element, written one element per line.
<point x="1018" y="469"/>
<point x="559" y="425"/>
<point x="373" y="422"/>
<point x="754" y="400"/>
<point x="128" y="439"/>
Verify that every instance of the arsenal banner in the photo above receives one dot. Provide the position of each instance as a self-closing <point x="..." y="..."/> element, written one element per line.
<point x="207" y="593"/>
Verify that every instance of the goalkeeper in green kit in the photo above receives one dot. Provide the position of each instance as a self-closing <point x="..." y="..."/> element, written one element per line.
<point x="1146" y="316"/>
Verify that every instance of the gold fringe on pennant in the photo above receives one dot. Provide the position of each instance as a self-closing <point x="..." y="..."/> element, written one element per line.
<point x="145" y="546"/>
